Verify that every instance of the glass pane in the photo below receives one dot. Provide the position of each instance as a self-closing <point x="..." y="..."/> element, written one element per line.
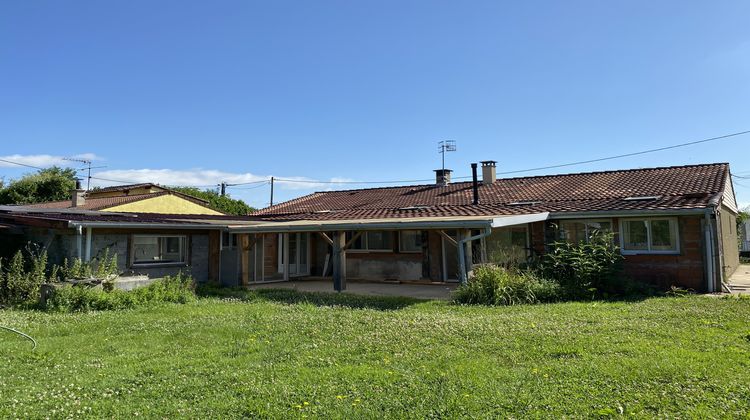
<point x="635" y="235"/>
<point x="145" y="249"/>
<point x="303" y="238"/>
<point x="411" y="240"/>
<point x="171" y="249"/>
<point x="663" y="236"/>
<point x="379" y="240"/>
<point x="573" y="232"/>
<point x="358" y="244"/>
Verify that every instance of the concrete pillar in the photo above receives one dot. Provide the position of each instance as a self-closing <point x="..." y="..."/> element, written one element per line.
<point x="339" y="261"/>
<point x="87" y="254"/>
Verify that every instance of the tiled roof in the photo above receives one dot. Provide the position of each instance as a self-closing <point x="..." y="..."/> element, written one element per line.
<point x="126" y="187"/>
<point x="671" y="188"/>
<point x="97" y="203"/>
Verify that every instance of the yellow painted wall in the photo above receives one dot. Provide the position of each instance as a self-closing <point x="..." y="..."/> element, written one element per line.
<point x="167" y="204"/>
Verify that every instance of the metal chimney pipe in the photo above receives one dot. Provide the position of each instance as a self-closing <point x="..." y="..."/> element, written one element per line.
<point x="475" y="183"/>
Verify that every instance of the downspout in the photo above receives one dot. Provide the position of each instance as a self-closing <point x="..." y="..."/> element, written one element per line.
<point x="79" y="239"/>
<point x="462" y="253"/>
<point x="710" y="239"/>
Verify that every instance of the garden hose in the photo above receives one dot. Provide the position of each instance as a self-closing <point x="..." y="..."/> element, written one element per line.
<point x="21" y="334"/>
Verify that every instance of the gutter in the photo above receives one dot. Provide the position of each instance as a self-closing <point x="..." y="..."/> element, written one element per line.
<point x="461" y="252"/>
<point x="476" y="224"/>
<point x="625" y="213"/>
<point x="131" y="225"/>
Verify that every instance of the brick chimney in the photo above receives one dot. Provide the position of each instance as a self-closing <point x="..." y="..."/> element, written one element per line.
<point x="78" y="198"/>
<point x="442" y="176"/>
<point x="489" y="172"/>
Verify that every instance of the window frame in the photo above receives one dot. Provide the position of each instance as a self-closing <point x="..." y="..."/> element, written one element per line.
<point x="365" y="242"/>
<point x="232" y="241"/>
<point x="673" y="223"/>
<point x="184" y="251"/>
<point x="401" y="242"/>
<point x="585" y="223"/>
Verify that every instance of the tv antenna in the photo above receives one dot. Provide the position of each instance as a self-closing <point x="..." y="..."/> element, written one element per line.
<point x="88" y="168"/>
<point x="446" y="146"/>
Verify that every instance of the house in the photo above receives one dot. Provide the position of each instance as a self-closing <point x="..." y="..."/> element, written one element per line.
<point x="133" y="198"/>
<point x="674" y="226"/>
<point x="745" y="238"/>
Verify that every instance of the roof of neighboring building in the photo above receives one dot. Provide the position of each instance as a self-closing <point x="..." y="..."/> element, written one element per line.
<point x="127" y="187"/>
<point x="102" y="203"/>
<point x="665" y="188"/>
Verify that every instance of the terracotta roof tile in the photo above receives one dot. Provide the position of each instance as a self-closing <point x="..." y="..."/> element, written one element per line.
<point x="676" y="187"/>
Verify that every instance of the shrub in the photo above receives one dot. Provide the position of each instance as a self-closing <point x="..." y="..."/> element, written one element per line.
<point x="492" y="285"/>
<point x="21" y="279"/>
<point x="171" y="289"/>
<point x="584" y="268"/>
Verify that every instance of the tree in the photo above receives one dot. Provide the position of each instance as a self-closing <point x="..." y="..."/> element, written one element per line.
<point x="223" y="204"/>
<point x="51" y="184"/>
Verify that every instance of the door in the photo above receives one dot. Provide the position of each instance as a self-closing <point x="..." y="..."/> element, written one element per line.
<point x="299" y="245"/>
<point x="450" y="257"/>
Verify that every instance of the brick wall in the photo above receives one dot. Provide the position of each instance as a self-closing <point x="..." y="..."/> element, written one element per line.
<point x="685" y="269"/>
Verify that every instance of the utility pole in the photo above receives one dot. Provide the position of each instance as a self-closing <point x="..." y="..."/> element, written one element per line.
<point x="223" y="189"/>
<point x="271" y="191"/>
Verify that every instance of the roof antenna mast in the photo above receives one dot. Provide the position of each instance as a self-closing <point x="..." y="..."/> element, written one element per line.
<point x="446" y="146"/>
<point x="88" y="168"/>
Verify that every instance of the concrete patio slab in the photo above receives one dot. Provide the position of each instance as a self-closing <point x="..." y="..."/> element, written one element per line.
<point x="418" y="291"/>
<point x="739" y="282"/>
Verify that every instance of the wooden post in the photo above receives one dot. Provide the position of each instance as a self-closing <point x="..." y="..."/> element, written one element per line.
<point x="214" y="257"/>
<point x="285" y="255"/>
<point x="339" y="261"/>
<point x="244" y="255"/>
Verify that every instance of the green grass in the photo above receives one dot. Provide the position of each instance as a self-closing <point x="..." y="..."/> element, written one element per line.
<point x="287" y="355"/>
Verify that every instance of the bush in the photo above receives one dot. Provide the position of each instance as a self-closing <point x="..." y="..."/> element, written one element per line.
<point x="21" y="279"/>
<point x="584" y="269"/>
<point x="171" y="289"/>
<point x="492" y="285"/>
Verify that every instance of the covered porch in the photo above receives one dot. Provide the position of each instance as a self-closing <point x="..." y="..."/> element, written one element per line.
<point x="408" y="251"/>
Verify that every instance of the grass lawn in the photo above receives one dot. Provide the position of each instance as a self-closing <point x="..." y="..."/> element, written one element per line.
<point x="287" y="355"/>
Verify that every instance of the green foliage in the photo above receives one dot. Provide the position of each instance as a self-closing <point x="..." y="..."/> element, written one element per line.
<point x="171" y="289"/>
<point x="223" y="204"/>
<point x="492" y="285"/>
<point x="101" y="268"/>
<point x="51" y="184"/>
<point x="584" y="268"/>
<point x="21" y="279"/>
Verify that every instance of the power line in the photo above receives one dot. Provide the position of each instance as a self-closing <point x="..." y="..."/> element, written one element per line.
<point x="642" y="152"/>
<point x="246" y="183"/>
<point x="742" y="177"/>
<point x="21" y="164"/>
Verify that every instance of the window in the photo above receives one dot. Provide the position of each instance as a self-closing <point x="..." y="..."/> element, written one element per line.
<point x="649" y="236"/>
<point x="576" y="231"/>
<point x="507" y="245"/>
<point x="410" y="241"/>
<point x="148" y="249"/>
<point x="228" y="240"/>
<point x="376" y="240"/>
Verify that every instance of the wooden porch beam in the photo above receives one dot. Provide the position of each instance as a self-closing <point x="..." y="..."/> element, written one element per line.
<point x="448" y="237"/>
<point x="351" y="241"/>
<point x="339" y="261"/>
<point x="326" y="238"/>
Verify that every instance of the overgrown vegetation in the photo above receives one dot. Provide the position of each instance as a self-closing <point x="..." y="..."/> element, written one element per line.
<point x="22" y="275"/>
<point x="569" y="271"/>
<point x="179" y="288"/>
<point x="216" y="201"/>
<point x="51" y="184"/>
<point x="492" y="285"/>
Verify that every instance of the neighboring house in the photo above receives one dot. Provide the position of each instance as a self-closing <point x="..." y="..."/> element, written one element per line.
<point x="745" y="238"/>
<point x="135" y="198"/>
<point x="674" y="225"/>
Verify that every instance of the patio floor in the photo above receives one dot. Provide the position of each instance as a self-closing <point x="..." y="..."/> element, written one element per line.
<point x="739" y="282"/>
<point x="418" y="291"/>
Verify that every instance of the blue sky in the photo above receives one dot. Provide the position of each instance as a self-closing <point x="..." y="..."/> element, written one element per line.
<point x="198" y="92"/>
